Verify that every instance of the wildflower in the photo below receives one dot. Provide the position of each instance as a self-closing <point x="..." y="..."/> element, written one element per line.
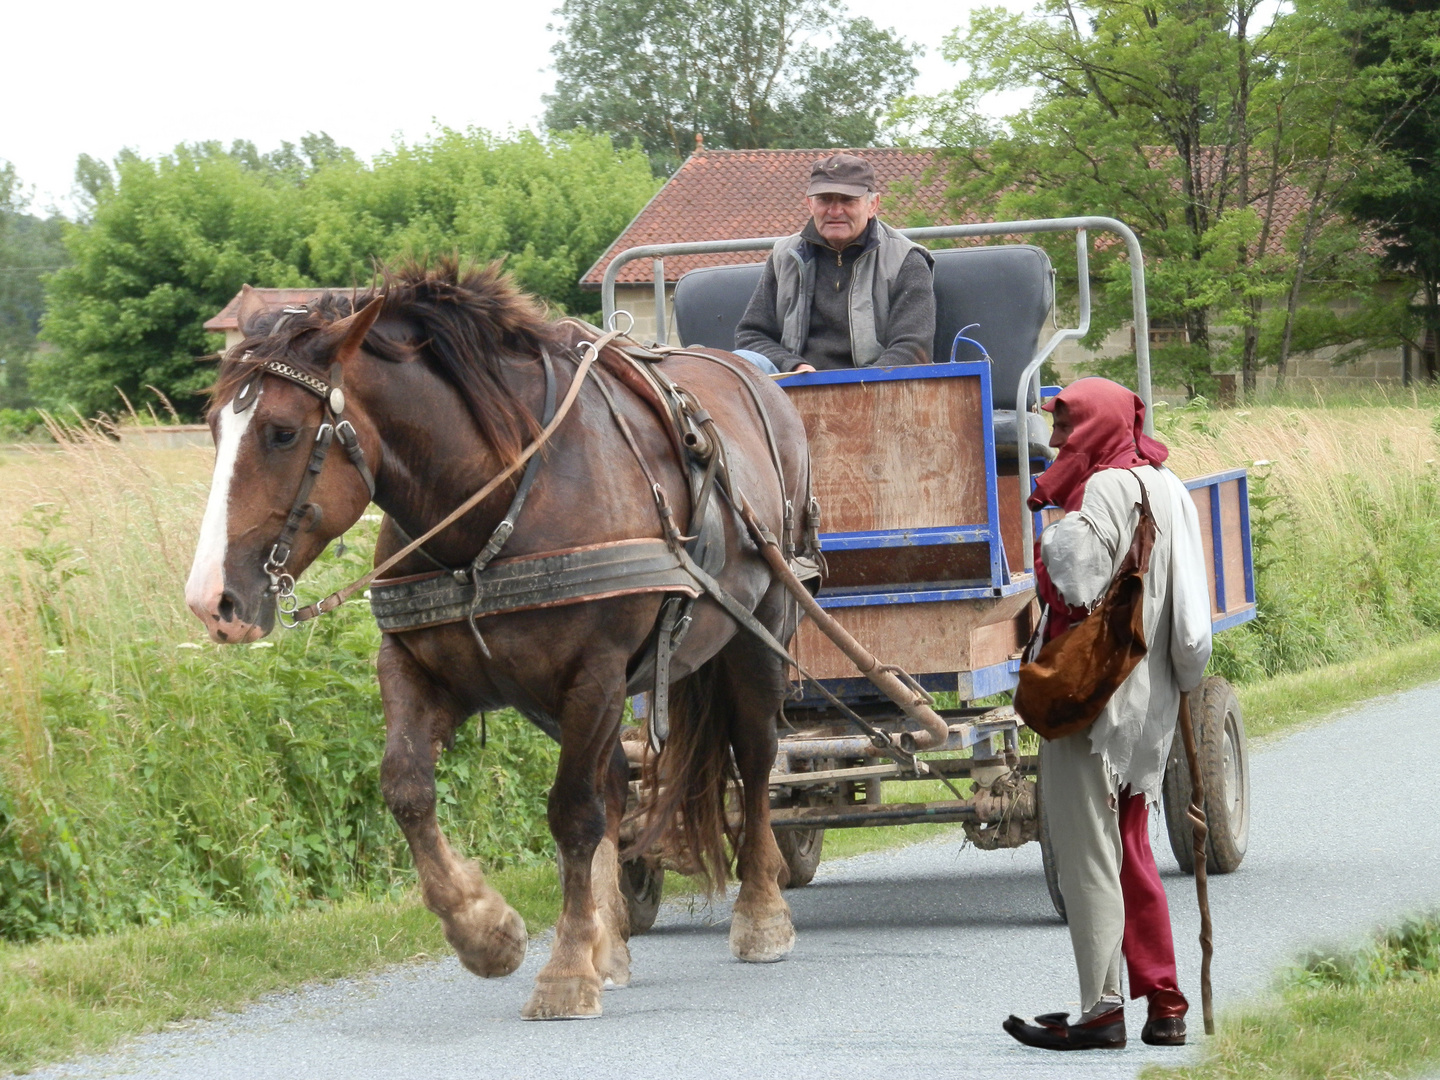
<point x="1260" y="463"/>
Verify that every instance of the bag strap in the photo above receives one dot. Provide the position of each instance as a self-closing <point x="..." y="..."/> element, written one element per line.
<point x="1137" y="559"/>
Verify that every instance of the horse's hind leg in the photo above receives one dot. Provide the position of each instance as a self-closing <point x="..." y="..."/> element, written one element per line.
<point x="760" y="926"/>
<point x="569" y="985"/>
<point x="486" y="933"/>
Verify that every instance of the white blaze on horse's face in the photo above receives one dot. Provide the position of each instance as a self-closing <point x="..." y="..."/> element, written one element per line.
<point x="205" y="588"/>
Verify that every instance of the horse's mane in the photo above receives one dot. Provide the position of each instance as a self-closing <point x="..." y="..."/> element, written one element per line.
<point x="470" y="322"/>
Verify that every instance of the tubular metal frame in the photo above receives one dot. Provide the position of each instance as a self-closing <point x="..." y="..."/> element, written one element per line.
<point x="1029" y="385"/>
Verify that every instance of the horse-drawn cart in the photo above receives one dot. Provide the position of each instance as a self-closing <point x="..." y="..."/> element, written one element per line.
<point x="921" y="474"/>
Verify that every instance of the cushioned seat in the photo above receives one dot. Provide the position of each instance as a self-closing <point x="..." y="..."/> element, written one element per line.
<point x="1007" y="288"/>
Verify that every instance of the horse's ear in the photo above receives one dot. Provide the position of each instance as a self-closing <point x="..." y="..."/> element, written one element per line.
<point x="350" y="331"/>
<point x="251" y="305"/>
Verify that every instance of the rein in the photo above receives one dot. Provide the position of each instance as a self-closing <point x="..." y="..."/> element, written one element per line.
<point x="590" y="352"/>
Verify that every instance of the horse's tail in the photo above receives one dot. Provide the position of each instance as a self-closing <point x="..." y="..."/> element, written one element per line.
<point x="685" y="786"/>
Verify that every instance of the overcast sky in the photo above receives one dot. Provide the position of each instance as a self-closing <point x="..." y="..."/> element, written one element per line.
<point x="91" y="77"/>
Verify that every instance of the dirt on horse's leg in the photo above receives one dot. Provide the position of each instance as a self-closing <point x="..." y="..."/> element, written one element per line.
<point x="486" y="933"/>
<point x="761" y="931"/>
<point x="612" y="954"/>
<point x="569" y="986"/>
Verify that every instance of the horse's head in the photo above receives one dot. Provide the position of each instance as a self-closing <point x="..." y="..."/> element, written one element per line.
<point x="276" y="403"/>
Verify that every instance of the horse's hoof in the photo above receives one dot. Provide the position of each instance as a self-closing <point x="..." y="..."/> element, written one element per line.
<point x="488" y="946"/>
<point x="764" y="940"/>
<point x="567" y="998"/>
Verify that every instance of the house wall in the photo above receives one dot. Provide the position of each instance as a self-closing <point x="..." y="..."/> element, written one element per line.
<point x="1383" y="366"/>
<point x="639" y="300"/>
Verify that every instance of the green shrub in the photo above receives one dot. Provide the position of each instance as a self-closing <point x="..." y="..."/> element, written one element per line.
<point x="148" y="776"/>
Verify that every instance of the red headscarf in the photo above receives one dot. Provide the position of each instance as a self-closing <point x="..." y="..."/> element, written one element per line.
<point x="1107" y="432"/>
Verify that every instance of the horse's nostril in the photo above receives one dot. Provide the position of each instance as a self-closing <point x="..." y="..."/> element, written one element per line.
<point x="227" y="606"/>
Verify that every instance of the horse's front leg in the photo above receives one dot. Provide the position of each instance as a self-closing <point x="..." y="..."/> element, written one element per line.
<point x="486" y="933"/>
<point x="586" y="949"/>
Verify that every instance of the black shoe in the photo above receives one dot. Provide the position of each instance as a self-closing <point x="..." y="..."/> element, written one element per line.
<point x="1165" y="1031"/>
<point x="1052" y="1031"/>
<point x="1165" y="1019"/>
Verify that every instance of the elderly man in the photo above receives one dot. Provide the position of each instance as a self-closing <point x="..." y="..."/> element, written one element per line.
<point x="1098" y="785"/>
<point x="847" y="290"/>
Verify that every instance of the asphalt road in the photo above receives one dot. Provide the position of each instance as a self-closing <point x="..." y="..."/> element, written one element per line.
<point x="906" y="960"/>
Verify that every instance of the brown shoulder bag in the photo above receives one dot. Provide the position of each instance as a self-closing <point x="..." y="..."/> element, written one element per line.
<point x="1064" y="688"/>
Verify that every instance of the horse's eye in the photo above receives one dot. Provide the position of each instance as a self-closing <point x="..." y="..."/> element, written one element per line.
<point x="283" y="438"/>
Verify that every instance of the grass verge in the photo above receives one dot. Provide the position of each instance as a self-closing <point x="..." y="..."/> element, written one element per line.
<point x="1277" y="706"/>
<point x="1373" y="1012"/>
<point x="60" y="998"/>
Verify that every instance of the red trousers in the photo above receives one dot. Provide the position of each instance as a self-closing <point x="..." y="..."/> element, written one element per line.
<point x="1148" y="945"/>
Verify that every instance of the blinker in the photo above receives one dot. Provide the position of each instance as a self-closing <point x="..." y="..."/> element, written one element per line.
<point x="246" y="395"/>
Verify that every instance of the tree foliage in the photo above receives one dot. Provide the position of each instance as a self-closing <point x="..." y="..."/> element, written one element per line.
<point x="1401" y="194"/>
<point x="745" y="74"/>
<point x="29" y="248"/>
<point x="167" y="242"/>
<point x="1185" y="119"/>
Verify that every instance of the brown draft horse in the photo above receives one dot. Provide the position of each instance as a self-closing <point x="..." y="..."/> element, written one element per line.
<point x="443" y="383"/>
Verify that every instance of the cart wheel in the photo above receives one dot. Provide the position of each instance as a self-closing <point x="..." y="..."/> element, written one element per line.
<point x="1225" y="767"/>
<point x="641" y="885"/>
<point x="1047" y="856"/>
<point x="801" y="850"/>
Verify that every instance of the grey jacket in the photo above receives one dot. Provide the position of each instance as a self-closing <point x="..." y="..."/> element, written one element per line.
<point x="872" y="304"/>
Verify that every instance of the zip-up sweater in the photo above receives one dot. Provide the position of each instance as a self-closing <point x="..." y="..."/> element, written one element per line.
<point x="872" y="303"/>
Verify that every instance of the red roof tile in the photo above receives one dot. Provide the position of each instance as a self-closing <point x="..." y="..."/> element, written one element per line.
<point x="227" y="320"/>
<point x="730" y="194"/>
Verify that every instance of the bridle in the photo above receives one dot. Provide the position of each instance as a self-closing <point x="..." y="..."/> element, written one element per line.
<point x="332" y="426"/>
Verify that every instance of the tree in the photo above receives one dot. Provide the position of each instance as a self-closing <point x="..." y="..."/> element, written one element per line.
<point x="29" y="248"/>
<point x="549" y="207"/>
<point x="1401" y="194"/>
<point x="1185" y="120"/>
<point x="166" y="243"/>
<point x="744" y="74"/>
<point x="169" y="242"/>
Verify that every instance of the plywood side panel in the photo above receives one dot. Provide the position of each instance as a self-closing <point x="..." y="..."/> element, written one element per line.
<point x="920" y="638"/>
<point x="1201" y="498"/>
<point x="1234" y="551"/>
<point x="896" y="454"/>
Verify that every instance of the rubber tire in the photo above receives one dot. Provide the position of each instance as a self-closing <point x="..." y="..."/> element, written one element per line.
<point x="641" y="885"/>
<point x="1225" y="768"/>
<point x="800" y="849"/>
<point x="1047" y="856"/>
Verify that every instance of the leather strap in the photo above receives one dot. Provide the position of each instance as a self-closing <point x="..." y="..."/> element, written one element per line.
<point x="335" y="599"/>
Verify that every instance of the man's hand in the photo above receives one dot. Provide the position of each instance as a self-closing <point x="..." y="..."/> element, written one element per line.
<point x="801" y="368"/>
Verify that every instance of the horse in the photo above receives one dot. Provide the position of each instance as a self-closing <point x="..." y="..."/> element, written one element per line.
<point x="444" y="382"/>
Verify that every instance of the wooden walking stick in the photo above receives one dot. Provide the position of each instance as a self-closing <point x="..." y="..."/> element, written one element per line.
<point x="1196" y="813"/>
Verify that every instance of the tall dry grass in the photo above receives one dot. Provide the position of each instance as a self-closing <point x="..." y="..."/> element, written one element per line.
<point x="147" y="775"/>
<point x="1346" y="514"/>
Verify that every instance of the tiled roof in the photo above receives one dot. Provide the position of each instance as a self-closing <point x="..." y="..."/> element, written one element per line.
<point x="227" y="320"/>
<point x="730" y="194"/>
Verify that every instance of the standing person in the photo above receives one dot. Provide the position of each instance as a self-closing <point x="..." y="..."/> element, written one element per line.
<point x="1098" y="784"/>
<point x="845" y="291"/>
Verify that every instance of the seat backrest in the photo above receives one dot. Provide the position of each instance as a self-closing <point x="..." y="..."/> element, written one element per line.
<point x="710" y="302"/>
<point x="1006" y="288"/>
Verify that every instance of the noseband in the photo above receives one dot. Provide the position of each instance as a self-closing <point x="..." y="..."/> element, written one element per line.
<point x="332" y="427"/>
